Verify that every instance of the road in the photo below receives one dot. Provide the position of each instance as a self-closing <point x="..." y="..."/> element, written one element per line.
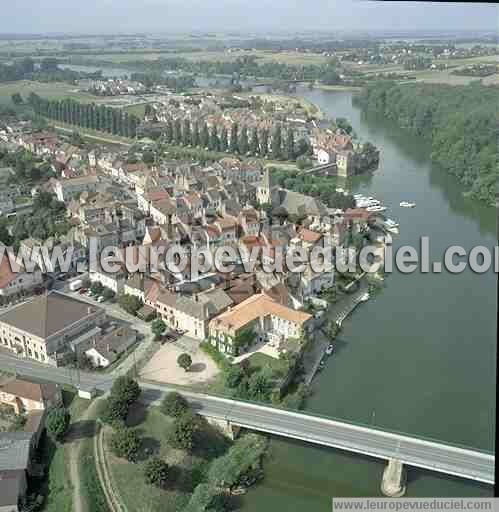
<point x="436" y="456"/>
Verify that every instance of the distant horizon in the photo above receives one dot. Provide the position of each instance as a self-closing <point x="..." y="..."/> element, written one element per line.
<point x="101" y="17"/>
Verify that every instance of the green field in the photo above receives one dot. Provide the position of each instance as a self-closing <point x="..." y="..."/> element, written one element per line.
<point x="53" y="90"/>
<point x="186" y="470"/>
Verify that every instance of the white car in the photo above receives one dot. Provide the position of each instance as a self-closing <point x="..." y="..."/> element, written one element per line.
<point x="101" y="299"/>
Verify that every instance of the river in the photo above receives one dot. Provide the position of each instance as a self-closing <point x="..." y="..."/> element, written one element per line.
<point x="417" y="358"/>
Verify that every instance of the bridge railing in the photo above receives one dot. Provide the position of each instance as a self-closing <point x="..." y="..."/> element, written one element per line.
<point x="322" y="416"/>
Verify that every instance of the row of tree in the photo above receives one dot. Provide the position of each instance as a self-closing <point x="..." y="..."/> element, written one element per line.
<point x="240" y="141"/>
<point x="86" y="115"/>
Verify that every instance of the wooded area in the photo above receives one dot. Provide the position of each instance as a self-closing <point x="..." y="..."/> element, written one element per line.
<point x="462" y="122"/>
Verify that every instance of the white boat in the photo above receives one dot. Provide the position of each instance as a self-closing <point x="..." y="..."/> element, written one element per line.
<point x="376" y="208"/>
<point x="407" y="204"/>
<point x="390" y="223"/>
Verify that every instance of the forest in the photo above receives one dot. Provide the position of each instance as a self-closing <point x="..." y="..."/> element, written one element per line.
<point x="460" y="121"/>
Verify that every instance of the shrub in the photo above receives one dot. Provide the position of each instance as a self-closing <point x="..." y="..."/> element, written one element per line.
<point x="184" y="361"/>
<point x="234" y="376"/>
<point x="113" y="410"/>
<point x="125" y="389"/>
<point x="182" y="433"/>
<point x="174" y="404"/>
<point x="156" y="472"/>
<point x="125" y="443"/>
<point x="57" y="422"/>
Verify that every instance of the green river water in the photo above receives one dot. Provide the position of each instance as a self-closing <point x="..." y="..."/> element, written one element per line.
<point x="419" y="357"/>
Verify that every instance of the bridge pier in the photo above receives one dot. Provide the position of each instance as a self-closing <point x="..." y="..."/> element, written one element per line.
<point x="228" y="429"/>
<point x="393" y="483"/>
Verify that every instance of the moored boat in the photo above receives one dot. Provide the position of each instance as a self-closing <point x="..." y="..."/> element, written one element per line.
<point x="407" y="204"/>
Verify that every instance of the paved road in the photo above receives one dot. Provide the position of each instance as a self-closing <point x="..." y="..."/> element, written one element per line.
<point x="416" y="452"/>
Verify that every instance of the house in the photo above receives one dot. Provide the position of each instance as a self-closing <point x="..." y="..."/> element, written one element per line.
<point x="192" y="314"/>
<point x="106" y="350"/>
<point x="115" y="281"/>
<point x="267" y="319"/>
<point x="67" y="189"/>
<point x="26" y="396"/>
<point x="14" y="278"/>
<point x="16" y="451"/>
<point x="43" y="327"/>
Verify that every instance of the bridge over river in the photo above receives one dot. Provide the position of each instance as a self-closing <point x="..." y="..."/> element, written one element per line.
<point x="235" y="414"/>
<point x="367" y="440"/>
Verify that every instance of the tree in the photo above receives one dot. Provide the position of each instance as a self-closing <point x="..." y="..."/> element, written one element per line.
<point x="184" y="361"/>
<point x="125" y="389"/>
<point x="234" y="376"/>
<point x="205" y="136"/>
<point x="156" y="472"/>
<point x="214" y="142"/>
<point x="277" y="143"/>
<point x="57" y="422"/>
<point x="96" y="288"/>
<point x="224" y="143"/>
<point x="113" y="411"/>
<point x="290" y="145"/>
<point x="186" y="133"/>
<point x="264" y="142"/>
<point x="125" y="443"/>
<point x="158" y="328"/>
<point x="177" y="131"/>
<point x="195" y="135"/>
<point x="183" y="430"/>
<point x="108" y="294"/>
<point x="243" y="142"/>
<point x="174" y="404"/>
<point x="17" y="99"/>
<point x="233" y="145"/>
<point x="130" y="303"/>
<point x="148" y="157"/>
<point x="259" y="386"/>
<point x="254" y="144"/>
<point x="343" y="124"/>
<point x="168" y="132"/>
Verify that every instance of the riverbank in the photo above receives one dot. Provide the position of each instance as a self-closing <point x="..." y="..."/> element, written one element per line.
<point x="415" y="345"/>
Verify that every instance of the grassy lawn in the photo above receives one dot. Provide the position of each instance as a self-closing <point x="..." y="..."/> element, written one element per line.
<point x="136" y="110"/>
<point x="53" y="90"/>
<point x="259" y="361"/>
<point x="187" y="470"/>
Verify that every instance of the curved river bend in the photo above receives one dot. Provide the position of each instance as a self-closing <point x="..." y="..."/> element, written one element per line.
<point x="419" y="357"/>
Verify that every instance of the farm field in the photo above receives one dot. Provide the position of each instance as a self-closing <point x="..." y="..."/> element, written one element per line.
<point x="50" y="90"/>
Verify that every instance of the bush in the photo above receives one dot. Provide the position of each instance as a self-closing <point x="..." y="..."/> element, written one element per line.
<point x="125" y="443"/>
<point x="184" y="361"/>
<point x="125" y="389"/>
<point x="234" y="376"/>
<point x="96" y="288"/>
<point x="174" y="404"/>
<point x="113" y="411"/>
<point x="108" y="294"/>
<point x="182" y="433"/>
<point x="130" y="303"/>
<point x="57" y="422"/>
<point x="156" y="472"/>
<point x="158" y="328"/>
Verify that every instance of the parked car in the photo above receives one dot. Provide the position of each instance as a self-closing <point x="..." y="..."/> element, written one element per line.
<point x="83" y="291"/>
<point x="101" y="299"/>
